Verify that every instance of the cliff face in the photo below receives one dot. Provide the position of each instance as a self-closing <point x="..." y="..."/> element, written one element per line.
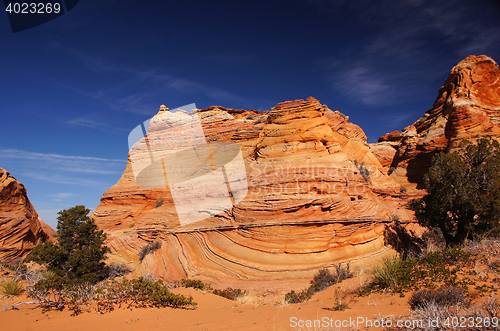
<point x="20" y="228"/>
<point x="314" y="195"/>
<point x="468" y="105"/>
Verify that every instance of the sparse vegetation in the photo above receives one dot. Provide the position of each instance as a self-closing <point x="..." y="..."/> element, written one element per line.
<point x="340" y="113"/>
<point x="443" y="268"/>
<point x="322" y="280"/>
<point x="133" y="293"/>
<point x="442" y="297"/>
<point x="249" y="116"/>
<point x="148" y="249"/>
<point x="117" y="270"/>
<point x="159" y="202"/>
<point x="11" y="288"/>
<point x="471" y="318"/>
<point x="230" y="293"/>
<point x="196" y="284"/>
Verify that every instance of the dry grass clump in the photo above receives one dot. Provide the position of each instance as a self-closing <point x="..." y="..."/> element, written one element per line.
<point x="11" y="288"/>
<point x="385" y="275"/>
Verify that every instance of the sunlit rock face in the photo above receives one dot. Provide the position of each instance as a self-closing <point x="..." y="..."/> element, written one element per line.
<point x="20" y="228"/>
<point x="312" y="195"/>
<point x="467" y="106"/>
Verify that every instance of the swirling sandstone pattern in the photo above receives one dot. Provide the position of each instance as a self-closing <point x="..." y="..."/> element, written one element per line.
<point x="20" y="228"/>
<point x="308" y="205"/>
<point x="468" y="105"/>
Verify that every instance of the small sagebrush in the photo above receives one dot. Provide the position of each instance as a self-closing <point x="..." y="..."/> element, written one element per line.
<point x="442" y="297"/>
<point x="117" y="270"/>
<point x="148" y="249"/>
<point x="159" y="202"/>
<point x="230" y="293"/>
<point x="322" y="280"/>
<point x="196" y="284"/>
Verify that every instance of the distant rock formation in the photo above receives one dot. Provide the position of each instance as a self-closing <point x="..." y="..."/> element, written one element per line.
<point x="20" y="227"/>
<point x="316" y="196"/>
<point x="468" y="105"/>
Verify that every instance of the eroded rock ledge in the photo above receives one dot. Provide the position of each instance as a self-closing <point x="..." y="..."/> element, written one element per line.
<point x="20" y="227"/>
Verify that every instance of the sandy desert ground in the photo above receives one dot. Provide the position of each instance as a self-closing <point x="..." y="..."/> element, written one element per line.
<point x="215" y="313"/>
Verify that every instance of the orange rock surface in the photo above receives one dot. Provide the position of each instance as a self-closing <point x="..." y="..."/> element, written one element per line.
<point x="20" y="227"/>
<point x="307" y="205"/>
<point x="467" y="106"/>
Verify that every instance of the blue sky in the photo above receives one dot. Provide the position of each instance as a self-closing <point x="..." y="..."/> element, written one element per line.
<point x="72" y="89"/>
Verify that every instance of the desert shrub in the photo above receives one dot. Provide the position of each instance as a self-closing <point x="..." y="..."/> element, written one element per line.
<point x="11" y="288"/>
<point x="249" y="116"/>
<point x="230" y="293"/>
<point x="338" y="112"/>
<point x="148" y="249"/>
<point x="196" y="284"/>
<point x="140" y="293"/>
<point x="443" y="297"/>
<point x="293" y="297"/>
<point x="59" y="293"/>
<point x="159" y="202"/>
<point x="363" y="171"/>
<point x="322" y="280"/>
<point x="117" y="270"/>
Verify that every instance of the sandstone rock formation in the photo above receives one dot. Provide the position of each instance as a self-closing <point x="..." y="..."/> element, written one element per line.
<point x="315" y="196"/>
<point x="468" y="105"/>
<point x="20" y="227"/>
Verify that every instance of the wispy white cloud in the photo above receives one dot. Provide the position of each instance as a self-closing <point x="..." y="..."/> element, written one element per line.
<point x="64" y="163"/>
<point x="62" y="196"/>
<point x="364" y="84"/>
<point x="93" y="124"/>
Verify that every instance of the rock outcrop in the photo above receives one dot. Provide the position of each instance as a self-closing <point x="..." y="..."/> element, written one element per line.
<point x="20" y="227"/>
<point x="315" y="195"/>
<point x="467" y="106"/>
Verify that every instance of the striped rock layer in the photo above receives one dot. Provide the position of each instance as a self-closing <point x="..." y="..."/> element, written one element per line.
<point x="20" y="227"/>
